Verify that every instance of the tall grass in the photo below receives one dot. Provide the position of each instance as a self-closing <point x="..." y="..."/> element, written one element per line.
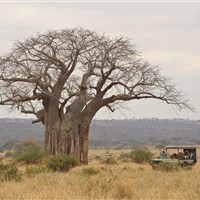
<point x="101" y="181"/>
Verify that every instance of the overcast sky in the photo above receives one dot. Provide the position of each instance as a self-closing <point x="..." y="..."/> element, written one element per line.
<point x="167" y="34"/>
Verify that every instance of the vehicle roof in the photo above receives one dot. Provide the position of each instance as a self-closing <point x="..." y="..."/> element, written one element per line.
<point x="181" y="147"/>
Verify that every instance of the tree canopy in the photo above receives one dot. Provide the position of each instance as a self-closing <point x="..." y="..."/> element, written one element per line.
<point x="72" y="73"/>
<point x="63" y="63"/>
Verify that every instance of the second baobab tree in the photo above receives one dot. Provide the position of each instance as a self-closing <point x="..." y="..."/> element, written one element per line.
<point x="65" y="77"/>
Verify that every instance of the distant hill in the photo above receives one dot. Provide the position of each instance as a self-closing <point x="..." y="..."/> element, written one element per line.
<point x="113" y="133"/>
<point x="144" y="132"/>
<point x="13" y="130"/>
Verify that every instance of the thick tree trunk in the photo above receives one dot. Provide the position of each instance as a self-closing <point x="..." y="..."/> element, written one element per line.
<point x="67" y="136"/>
<point x="85" y="143"/>
<point x="68" y="133"/>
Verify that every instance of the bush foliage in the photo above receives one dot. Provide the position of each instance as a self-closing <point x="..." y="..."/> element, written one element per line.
<point x="139" y="155"/>
<point x="9" y="172"/>
<point x="109" y="161"/>
<point x="61" y="163"/>
<point x="31" y="171"/>
<point x="28" y="151"/>
<point x="89" y="171"/>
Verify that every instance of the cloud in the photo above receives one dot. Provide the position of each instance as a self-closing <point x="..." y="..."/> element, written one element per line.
<point x="166" y="34"/>
<point x="182" y="62"/>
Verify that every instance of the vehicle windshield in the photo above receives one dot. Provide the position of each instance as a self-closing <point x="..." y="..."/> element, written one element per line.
<point x="164" y="155"/>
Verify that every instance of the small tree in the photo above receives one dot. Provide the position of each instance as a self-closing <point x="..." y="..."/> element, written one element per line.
<point x="141" y="155"/>
<point x="28" y="151"/>
<point x="65" y="77"/>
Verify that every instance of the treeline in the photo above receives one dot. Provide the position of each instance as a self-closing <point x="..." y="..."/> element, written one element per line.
<point x="112" y="133"/>
<point x="144" y="132"/>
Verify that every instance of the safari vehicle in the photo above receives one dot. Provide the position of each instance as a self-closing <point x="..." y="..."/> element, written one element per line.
<point x="183" y="155"/>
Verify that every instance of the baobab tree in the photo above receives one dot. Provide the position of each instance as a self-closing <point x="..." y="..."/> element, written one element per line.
<point x="65" y="77"/>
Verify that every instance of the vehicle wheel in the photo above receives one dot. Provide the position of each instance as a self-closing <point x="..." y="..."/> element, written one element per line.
<point x="186" y="165"/>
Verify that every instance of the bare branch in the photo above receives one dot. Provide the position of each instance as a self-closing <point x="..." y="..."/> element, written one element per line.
<point x="81" y="70"/>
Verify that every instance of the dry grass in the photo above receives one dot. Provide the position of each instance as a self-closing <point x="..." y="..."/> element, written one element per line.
<point x="119" y="181"/>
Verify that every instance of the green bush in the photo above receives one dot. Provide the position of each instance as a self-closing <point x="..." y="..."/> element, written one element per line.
<point x="61" y="163"/>
<point x="31" y="156"/>
<point x="124" y="155"/>
<point x="28" y="151"/>
<point x="31" y="171"/>
<point x="9" y="172"/>
<point x="141" y="155"/>
<point x="89" y="171"/>
<point x="110" y="161"/>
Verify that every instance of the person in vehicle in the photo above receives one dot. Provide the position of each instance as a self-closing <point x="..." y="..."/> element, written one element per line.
<point x="186" y="154"/>
<point x="163" y="155"/>
<point x="181" y="156"/>
<point x="174" y="156"/>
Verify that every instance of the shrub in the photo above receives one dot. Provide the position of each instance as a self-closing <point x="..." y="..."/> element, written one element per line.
<point x="89" y="171"/>
<point x="28" y="151"/>
<point x="110" y="161"/>
<point x="31" y="171"/>
<point x="141" y="155"/>
<point x="9" y="172"/>
<point x="61" y="163"/>
<point x="30" y="156"/>
<point x="124" y="155"/>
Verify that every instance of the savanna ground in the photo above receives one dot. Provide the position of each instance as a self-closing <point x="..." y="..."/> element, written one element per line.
<point x="123" y="180"/>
